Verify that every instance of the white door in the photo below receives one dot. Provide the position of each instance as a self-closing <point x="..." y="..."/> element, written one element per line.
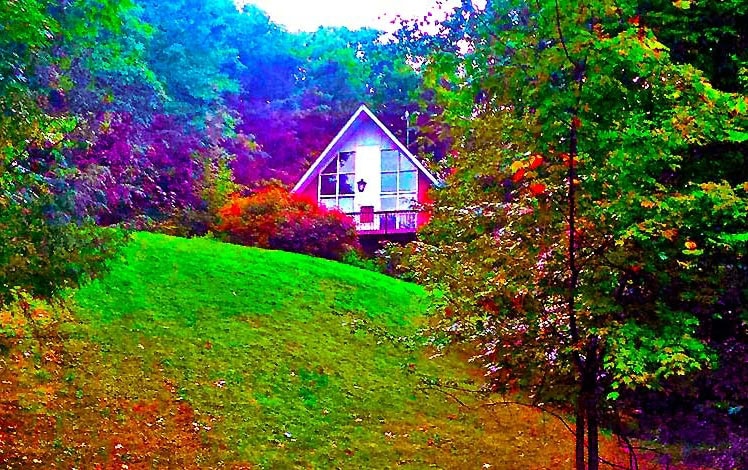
<point x="367" y="169"/>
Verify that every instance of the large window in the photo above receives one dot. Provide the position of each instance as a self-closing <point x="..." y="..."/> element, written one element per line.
<point x="399" y="181"/>
<point x="336" y="182"/>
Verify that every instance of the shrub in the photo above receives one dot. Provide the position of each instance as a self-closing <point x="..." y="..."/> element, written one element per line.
<point x="360" y="259"/>
<point x="276" y="219"/>
<point x="43" y="249"/>
<point x="396" y="260"/>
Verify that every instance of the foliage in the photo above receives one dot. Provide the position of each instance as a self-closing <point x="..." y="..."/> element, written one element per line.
<point x="396" y="260"/>
<point x="189" y="52"/>
<point x="705" y="34"/>
<point x="274" y="218"/>
<point x="574" y="241"/>
<point x="133" y="170"/>
<point x="360" y="259"/>
<point x="41" y="255"/>
<point x="44" y="244"/>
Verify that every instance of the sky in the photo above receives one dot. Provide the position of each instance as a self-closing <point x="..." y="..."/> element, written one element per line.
<point x="308" y="15"/>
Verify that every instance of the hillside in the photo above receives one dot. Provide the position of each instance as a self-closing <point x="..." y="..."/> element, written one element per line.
<point x="194" y="353"/>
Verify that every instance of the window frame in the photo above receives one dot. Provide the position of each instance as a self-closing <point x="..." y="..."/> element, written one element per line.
<point x="398" y="194"/>
<point x="338" y="195"/>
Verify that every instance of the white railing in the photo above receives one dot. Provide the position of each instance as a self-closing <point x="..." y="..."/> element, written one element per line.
<point x="385" y="221"/>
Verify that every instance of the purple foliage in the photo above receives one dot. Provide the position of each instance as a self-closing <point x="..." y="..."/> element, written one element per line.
<point x="293" y="137"/>
<point x="249" y="164"/>
<point x="133" y="169"/>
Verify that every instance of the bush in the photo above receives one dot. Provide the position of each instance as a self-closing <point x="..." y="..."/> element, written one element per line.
<point x="276" y="219"/>
<point x="42" y="248"/>
<point x="396" y="260"/>
<point x="360" y="259"/>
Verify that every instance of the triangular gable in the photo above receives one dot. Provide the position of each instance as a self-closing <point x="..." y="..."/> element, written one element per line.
<point x="317" y="165"/>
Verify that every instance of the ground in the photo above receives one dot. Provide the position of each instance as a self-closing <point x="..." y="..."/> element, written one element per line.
<point x="199" y="354"/>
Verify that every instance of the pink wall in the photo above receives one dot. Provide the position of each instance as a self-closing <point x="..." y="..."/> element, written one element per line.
<point x="424" y="185"/>
<point x="311" y="189"/>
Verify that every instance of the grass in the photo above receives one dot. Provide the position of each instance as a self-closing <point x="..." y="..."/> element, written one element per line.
<point x="198" y="354"/>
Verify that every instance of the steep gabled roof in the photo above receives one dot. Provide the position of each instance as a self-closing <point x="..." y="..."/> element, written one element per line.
<point x="361" y="111"/>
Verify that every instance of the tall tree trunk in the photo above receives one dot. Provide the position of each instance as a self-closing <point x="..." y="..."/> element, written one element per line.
<point x="593" y="358"/>
<point x="579" y="434"/>
<point x="590" y="393"/>
<point x="593" y="455"/>
<point x="581" y="407"/>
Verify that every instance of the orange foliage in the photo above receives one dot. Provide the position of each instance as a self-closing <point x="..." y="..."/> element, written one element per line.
<point x="535" y="162"/>
<point x="537" y="189"/>
<point x="274" y="218"/>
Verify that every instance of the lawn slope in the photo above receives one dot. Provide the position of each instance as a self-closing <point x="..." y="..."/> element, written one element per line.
<point x="262" y="345"/>
<point x="199" y="354"/>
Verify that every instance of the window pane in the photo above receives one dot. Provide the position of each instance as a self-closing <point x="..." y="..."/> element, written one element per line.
<point x="327" y="202"/>
<point x="408" y="181"/>
<point x="389" y="160"/>
<point x="347" y="162"/>
<point x="387" y="221"/>
<point x="346" y="184"/>
<point x="346" y="204"/>
<point x="389" y="182"/>
<point x="406" y="164"/>
<point x="389" y="203"/>
<point x="406" y="203"/>
<point x="331" y="167"/>
<point x="327" y="184"/>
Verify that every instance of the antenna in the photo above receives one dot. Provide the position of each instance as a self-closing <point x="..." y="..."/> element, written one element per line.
<point x="407" y="129"/>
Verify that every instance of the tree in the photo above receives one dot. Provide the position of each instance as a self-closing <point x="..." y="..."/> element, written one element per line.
<point x="572" y="240"/>
<point x="190" y="52"/>
<point x="298" y="89"/>
<point x="705" y="34"/>
<point x="43" y="245"/>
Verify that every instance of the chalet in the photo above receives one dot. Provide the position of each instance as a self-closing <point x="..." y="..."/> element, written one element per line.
<point x="370" y="175"/>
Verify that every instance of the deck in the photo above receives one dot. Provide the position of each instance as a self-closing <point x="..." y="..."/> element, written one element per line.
<point x="385" y="222"/>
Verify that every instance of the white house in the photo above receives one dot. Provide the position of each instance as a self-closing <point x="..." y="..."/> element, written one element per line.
<point x="369" y="174"/>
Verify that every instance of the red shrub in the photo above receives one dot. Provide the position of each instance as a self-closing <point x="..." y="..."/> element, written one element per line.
<point x="276" y="219"/>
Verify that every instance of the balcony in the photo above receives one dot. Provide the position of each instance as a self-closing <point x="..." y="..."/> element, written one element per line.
<point x="385" y="222"/>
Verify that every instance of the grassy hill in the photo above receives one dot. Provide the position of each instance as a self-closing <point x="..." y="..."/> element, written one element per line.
<point x="199" y="354"/>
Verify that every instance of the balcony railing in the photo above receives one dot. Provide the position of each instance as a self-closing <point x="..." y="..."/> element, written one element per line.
<point x="384" y="222"/>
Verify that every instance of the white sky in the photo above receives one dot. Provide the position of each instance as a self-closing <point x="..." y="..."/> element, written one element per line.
<point x="308" y="15"/>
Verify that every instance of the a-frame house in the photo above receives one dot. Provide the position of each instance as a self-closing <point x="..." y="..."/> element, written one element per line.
<point x="371" y="176"/>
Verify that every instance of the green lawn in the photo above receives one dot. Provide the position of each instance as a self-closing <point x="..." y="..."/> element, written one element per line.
<point x="199" y="354"/>
<point x="261" y="345"/>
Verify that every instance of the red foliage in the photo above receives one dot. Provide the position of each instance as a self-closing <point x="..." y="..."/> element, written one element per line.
<point x="567" y="160"/>
<point x="535" y="163"/>
<point x="537" y="189"/>
<point x="276" y="219"/>
<point x="519" y="175"/>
